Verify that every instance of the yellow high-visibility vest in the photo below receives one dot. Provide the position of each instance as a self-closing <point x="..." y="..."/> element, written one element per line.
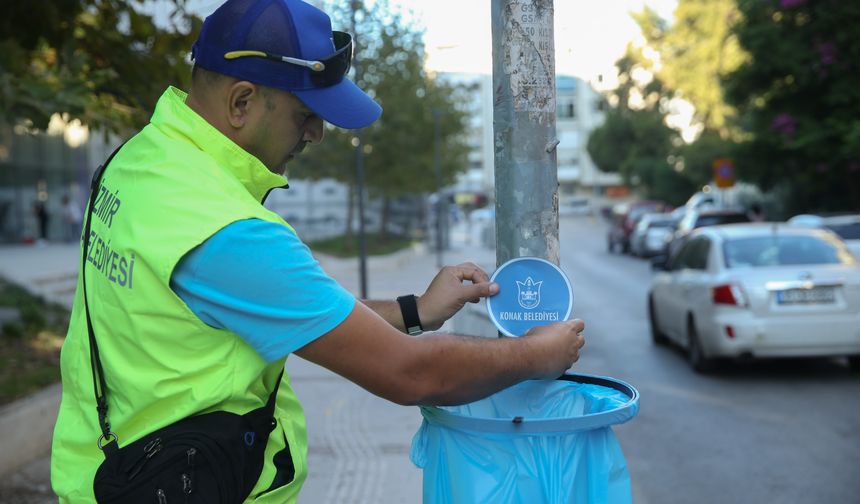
<point x="171" y="187"/>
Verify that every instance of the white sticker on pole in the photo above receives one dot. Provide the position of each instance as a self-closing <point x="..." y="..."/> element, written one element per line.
<point x="532" y="292"/>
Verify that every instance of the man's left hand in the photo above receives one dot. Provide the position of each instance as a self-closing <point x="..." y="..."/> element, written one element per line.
<point x="448" y="293"/>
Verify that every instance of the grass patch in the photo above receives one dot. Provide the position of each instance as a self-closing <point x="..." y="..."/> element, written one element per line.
<point x="29" y="346"/>
<point x="340" y="246"/>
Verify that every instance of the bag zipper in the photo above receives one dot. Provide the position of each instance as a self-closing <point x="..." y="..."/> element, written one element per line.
<point x="188" y="481"/>
<point x="149" y="451"/>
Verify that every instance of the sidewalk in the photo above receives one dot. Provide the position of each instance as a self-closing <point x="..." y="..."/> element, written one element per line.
<point x="359" y="443"/>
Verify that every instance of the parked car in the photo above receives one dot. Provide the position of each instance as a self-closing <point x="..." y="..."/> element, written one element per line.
<point x="846" y="226"/>
<point x="624" y="221"/>
<point x="652" y="234"/>
<point x="702" y="217"/>
<point x="758" y="290"/>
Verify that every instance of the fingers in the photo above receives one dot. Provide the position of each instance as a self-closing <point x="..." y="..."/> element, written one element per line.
<point x="470" y="271"/>
<point x="480" y="287"/>
<point x="473" y="293"/>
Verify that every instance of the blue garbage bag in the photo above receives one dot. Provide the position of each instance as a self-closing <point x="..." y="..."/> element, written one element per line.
<point x="536" y="442"/>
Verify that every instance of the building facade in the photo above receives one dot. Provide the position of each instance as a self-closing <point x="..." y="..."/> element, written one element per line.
<point x="43" y="172"/>
<point x="580" y="109"/>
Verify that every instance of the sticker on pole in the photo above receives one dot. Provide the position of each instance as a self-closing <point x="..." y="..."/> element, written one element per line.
<point x="532" y="292"/>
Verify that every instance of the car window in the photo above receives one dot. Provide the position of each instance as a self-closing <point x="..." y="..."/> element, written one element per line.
<point x="777" y="250"/>
<point x="697" y="258"/>
<point x="715" y="220"/>
<point x="676" y="261"/>
<point x="850" y="231"/>
<point x="661" y="224"/>
<point x="692" y="255"/>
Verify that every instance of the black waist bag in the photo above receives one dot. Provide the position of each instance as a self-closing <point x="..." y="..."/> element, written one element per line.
<point x="212" y="458"/>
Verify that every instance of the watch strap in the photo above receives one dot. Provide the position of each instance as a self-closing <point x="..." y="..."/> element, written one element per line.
<point x="409" y="311"/>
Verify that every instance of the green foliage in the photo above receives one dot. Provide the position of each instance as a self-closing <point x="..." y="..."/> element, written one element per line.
<point x="36" y="314"/>
<point x="696" y="51"/>
<point x="347" y="246"/>
<point x="12" y="330"/>
<point x="638" y="144"/>
<point x="800" y="90"/>
<point x="101" y="61"/>
<point x="635" y="141"/>
<point x="29" y="348"/>
<point x="399" y="147"/>
<point x="32" y="316"/>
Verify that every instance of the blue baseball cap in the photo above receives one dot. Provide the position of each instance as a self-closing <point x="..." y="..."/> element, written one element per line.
<point x="287" y="45"/>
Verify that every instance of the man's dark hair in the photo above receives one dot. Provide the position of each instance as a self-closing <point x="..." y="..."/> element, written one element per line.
<point x="200" y="75"/>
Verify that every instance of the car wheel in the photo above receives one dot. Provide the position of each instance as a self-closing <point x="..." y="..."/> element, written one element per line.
<point x="696" y="355"/>
<point x="657" y="337"/>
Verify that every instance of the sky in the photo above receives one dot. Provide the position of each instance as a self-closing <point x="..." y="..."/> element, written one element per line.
<point x="590" y="35"/>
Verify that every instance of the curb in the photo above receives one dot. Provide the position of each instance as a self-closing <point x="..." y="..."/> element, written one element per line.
<point x="28" y="428"/>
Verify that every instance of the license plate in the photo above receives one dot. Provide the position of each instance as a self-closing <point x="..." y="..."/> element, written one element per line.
<point x="816" y="295"/>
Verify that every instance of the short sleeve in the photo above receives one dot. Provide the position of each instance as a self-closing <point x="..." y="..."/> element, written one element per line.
<point x="257" y="279"/>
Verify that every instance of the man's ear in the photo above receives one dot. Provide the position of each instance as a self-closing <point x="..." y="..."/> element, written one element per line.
<point x="240" y="98"/>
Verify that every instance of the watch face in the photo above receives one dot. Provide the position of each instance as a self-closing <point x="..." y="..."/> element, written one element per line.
<point x="532" y="292"/>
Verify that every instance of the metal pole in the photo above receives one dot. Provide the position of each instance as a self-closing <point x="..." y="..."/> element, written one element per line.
<point x="438" y="169"/>
<point x="526" y="171"/>
<point x="359" y="181"/>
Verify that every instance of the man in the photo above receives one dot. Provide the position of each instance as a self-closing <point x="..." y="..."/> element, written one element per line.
<point x="197" y="293"/>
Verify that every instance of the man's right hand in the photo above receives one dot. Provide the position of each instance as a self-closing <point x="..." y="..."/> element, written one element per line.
<point x="562" y="342"/>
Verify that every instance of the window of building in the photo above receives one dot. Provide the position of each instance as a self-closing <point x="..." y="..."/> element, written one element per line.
<point x="565" y="109"/>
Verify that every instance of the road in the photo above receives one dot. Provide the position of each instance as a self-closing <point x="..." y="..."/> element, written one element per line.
<point x="782" y="431"/>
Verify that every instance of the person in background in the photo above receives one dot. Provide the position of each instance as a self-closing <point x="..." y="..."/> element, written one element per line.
<point x="756" y="213"/>
<point x="40" y="210"/>
<point x="72" y="219"/>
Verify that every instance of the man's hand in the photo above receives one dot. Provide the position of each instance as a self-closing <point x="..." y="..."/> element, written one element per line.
<point x="562" y="342"/>
<point x="447" y="293"/>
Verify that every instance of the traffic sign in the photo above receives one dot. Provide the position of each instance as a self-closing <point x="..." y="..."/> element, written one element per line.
<point x="724" y="173"/>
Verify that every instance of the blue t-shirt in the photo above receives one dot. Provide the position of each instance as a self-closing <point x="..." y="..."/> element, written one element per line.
<point x="258" y="280"/>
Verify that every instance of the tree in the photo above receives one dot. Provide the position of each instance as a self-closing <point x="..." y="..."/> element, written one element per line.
<point x="800" y="90"/>
<point x="691" y="57"/>
<point x="399" y="150"/>
<point x="695" y="53"/>
<point x="635" y="140"/>
<point x="104" y="62"/>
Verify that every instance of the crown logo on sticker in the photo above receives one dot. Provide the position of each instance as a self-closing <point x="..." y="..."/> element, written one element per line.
<point x="528" y="293"/>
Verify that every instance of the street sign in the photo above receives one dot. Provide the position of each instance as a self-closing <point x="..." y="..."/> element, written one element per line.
<point x="533" y="292"/>
<point x="724" y="173"/>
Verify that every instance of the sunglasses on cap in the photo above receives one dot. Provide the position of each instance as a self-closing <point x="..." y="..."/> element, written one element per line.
<point x="324" y="72"/>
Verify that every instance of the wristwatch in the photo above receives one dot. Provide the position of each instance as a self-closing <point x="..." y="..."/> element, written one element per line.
<point x="409" y="311"/>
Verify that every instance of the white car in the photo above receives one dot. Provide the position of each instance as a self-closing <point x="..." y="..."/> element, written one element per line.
<point x="758" y="290"/>
<point x="846" y="226"/>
